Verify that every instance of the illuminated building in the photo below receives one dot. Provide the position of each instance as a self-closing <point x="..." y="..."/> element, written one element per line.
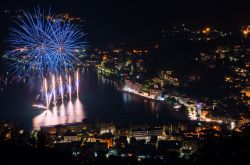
<point x="245" y="31"/>
<point x="206" y="30"/>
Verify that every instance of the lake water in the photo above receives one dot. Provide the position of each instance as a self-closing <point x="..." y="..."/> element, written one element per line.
<point x="98" y="100"/>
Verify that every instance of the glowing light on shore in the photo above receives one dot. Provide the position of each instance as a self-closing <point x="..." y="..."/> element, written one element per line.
<point x="246" y="31"/>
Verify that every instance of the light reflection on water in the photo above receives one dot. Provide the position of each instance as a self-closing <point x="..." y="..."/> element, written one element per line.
<point x="129" y="98"/>
<point x="72" y="112"/>
<point x="99" y="99"/>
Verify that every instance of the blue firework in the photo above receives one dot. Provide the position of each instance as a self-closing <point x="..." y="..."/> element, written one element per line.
<point x="41" y="46"/>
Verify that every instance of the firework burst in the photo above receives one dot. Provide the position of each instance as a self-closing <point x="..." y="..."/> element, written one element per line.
<point x="41" y="46"/>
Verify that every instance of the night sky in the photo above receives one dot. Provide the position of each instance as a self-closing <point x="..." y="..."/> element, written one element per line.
<point x="113" y="21"/>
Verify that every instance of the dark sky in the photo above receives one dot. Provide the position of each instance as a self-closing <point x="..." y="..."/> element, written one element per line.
<point x="126" y="18"/>
<point x="193" y="11"/>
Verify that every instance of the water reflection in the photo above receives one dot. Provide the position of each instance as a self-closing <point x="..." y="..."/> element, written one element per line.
<point x="130" y="99"/>
<point x="70" y="113"/>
